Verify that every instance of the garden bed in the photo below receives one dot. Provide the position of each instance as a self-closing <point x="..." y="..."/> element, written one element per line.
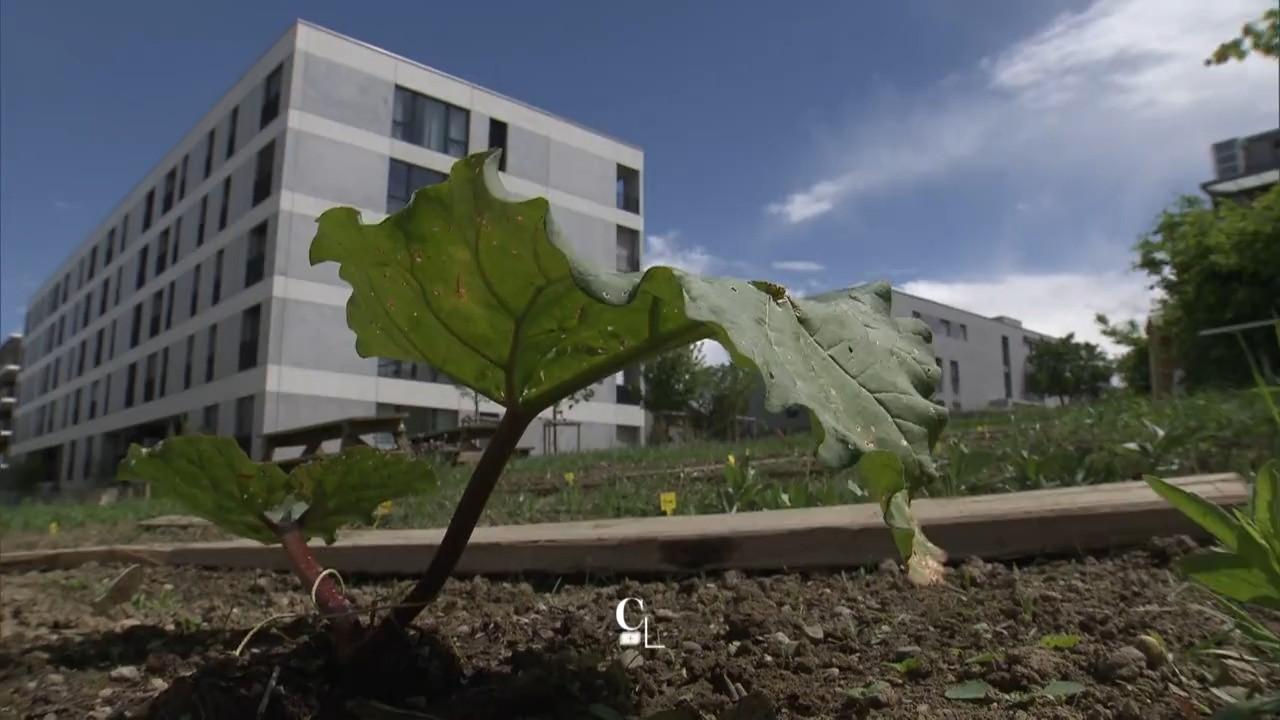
<point x="509" y="649"/>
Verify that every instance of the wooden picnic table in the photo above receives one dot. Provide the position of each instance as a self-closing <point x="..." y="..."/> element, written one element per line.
<point x="348" y="431"/>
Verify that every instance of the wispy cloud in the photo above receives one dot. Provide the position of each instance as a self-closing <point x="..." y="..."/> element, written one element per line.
<point x="61" y="204"/>
<point x="799" y="266"/>
<point x="666" y="249"/>
<point x="1116" y="88"/>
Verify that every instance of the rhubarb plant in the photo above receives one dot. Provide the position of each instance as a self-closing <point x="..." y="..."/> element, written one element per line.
<point x="482" y="286"/>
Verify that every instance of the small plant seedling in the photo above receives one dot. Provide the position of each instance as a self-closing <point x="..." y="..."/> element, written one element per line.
<point x="479" y="285"/>
<point x="1059" y="641"/>
<point x="971" y="691"/>
<point x="906" y="666"/>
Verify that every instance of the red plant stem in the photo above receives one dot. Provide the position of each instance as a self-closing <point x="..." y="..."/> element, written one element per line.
<point x="465" y="516"/>
<point x="328" y="594"/>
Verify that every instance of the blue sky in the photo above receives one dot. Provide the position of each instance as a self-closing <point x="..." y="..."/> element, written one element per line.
<point x="1001" y="156"/>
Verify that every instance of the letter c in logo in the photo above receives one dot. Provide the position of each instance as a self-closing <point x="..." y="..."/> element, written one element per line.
<point x="621" y="613"/>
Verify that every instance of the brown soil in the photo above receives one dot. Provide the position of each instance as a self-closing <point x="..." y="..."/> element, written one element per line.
<point x="796" y="642"/>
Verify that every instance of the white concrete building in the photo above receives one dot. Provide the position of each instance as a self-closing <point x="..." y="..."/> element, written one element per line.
<point x="194" y="300"/>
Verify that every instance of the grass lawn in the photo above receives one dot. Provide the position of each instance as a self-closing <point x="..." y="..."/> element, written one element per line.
<point x="1116" y="438"/>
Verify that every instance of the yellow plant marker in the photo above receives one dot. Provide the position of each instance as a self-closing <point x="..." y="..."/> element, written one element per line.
<point x="732" y="461"/>
<point x="53" y="528"/>
<point x="570" y="479"/>
<point x="380" y="512"/>
<point x="667" y="501"/>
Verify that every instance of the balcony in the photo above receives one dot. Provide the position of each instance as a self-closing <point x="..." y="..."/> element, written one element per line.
<point x="9" y="371"/>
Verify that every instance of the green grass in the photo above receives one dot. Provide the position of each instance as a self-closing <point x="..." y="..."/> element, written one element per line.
<point x="1113" y="439"/>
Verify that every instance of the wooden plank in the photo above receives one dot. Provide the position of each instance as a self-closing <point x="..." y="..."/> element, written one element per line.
<point x="1012" y="525"/>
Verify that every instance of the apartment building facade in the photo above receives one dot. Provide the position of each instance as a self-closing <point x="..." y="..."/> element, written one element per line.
<point x="1245" y="167"/>
<point x="194" y="304"/>
<point x="10" y="364"/>
<point x="983" y="360"/>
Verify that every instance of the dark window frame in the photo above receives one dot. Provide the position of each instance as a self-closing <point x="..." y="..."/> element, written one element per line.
<point x="409" y="122"/>
<point x="272" y="88"/>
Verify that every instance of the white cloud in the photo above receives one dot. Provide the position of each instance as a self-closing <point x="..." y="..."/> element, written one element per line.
<point x="666" y="250"/>
<point x="1116" y="91"/>
<point x="800" y="266"/>
<point x="1054" y="304"/>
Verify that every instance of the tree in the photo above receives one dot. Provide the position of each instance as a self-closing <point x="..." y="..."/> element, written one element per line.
<point x="726" y="395"/>
<point x="1067" y="369"/>
<point x="1134" y="365"/>
<point x="672" y="382"/>
<point x="1261" y="36"/>
<point x="1215" y="266"/>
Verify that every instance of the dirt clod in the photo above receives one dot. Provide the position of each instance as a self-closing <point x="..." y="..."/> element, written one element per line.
<point x="1125" y="663"/>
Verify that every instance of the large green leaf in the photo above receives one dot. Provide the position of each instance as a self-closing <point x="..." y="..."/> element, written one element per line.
<point x="213" y="478"/>
<point x="1213" y="519"/>
<point x="1232" y="576"/>
<point x="478" y="284"/>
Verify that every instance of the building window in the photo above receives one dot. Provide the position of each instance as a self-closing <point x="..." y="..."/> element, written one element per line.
<point x="231" y="132"/>
<point x="250" y="323"/>
<point x="98" y="345"/>
<point x="428" y="122"/>
<point x="226" y="203"/>
<point x="84" y="351"/>
<point x="164" y="371"/>
<point x="942" y="375"/>
<point x="157" y="307"/>
<point x="195" y="293"/>
<point x="88" y="458"/>
<point x="149" y="381"/>
<point x="182" y="178"/>
<point x="85" y="308"/>
<point x="964" y="332"/>
<point x="217" y="279"/>
<point x="148" y="209"/>
<point x="93" y="261"/>
<point x="271" y="96"/>
<point x="102" y="298"/>
<point x="404" y="179"/>
<point x="168" y="310"/>
<point x="628" y="249"/>
<point x="111" y="350"/>
<point x="93" y="399"/>
<point x="209" y="353"/>
<point x="208" y="154"/>
<point x="176" y="237"/>
<point x="106" y="395"/>
<point x="204" y="215"/>
<point x="186" y="366"/>
<point x="955" y="377"/>
<point x="119" y="283"/>
<point x="262" y="171"/>
<point x="916" y="314"/>
<point x="111" y="249"/>
<point x="75" y="407"/>
<point x="1004" y="350"/>
<point x="209" y="419"/>
<point x="130" y="384"/>
<point x="256" y="259"/>
<point x="124" y="231"/>
<point x="162" y="252"/>
<point x="628" y="189"/>
<point x="170" y="186"/>
<point x="136" y="331"/>
<point x="244" y="423"/>
<point x="946" y="326"/>
<point x="141" y="277"/>
<point x="498" y="139"/>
